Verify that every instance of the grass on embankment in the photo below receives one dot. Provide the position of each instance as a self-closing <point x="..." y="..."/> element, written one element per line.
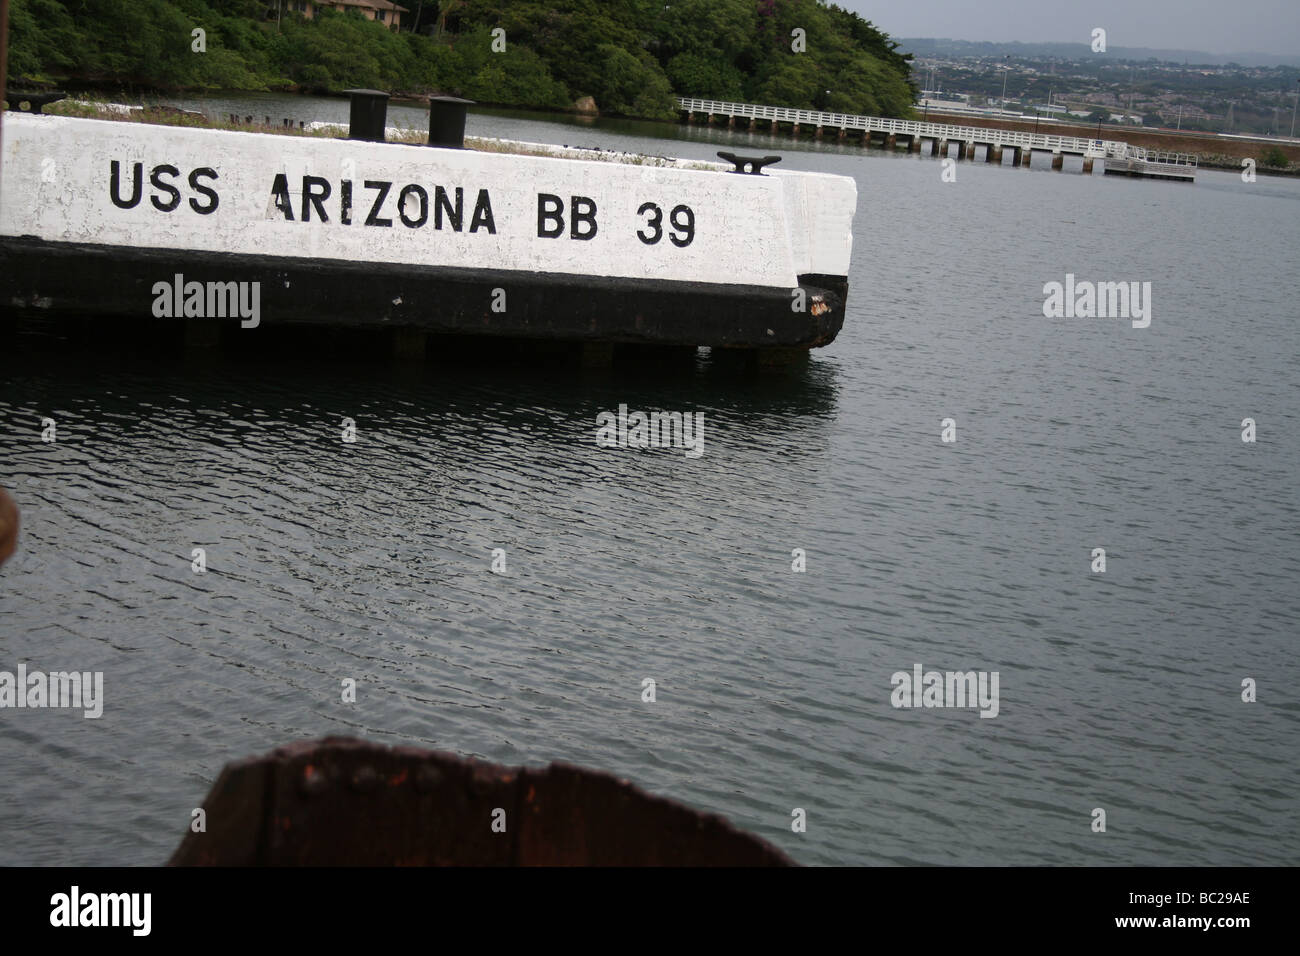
<point x="171" y="116"/>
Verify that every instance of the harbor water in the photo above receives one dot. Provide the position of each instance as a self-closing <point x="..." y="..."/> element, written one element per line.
<point x="373" y="561"/>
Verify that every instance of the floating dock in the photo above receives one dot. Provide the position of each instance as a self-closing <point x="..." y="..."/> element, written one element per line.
<point x="123" y="219"/>
<point x="1119" y="157"/>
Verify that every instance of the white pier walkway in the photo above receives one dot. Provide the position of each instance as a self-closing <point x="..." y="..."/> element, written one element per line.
<point x="1119" y="157"/>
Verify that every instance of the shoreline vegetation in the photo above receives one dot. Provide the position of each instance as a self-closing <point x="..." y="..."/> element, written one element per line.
<point x="96" y="108"/>
<point x="576" y="57"/>
<point x="630" y="58"/>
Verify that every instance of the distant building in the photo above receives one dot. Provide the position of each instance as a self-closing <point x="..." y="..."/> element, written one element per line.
<point x="389" y="14"/>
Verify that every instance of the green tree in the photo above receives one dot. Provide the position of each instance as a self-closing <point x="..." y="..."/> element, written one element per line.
<point x="631" y="55"/>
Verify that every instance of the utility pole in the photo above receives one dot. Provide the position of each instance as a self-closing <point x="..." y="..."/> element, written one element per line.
<point x="1180" y="116"/>
<point x="1132" y="81"/>
<point x="4" y="52"/>
<point x="1005" y="69"/>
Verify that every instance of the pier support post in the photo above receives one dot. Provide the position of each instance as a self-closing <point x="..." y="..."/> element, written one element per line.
<point x="596" y="354"/>
<point x="1058" y="160"/>
<point x="409" y="345"/>
<point x="961" y="150"/>
<point x="993" y="155"/>
<point x="843" y="132"/>
<point x="817" y="133"/>
<point x="775" y="127"/>
<point x="1087" y="165"/>
<point x="866" y="138"/>
<point x="690" y="119"/>
<point x="914" y="144"/>
<point x="731" y="122"/>
<point x="794" y="130"/>
<point x="891" y="141"/>
<point x="1025" y="155"/>
<point x="753" y="123"/>
<point x="943" y="147"/>
<point x="202" y="336"/>
<point x="779" y="359"/>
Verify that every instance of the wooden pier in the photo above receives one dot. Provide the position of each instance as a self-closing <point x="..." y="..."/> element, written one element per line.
<point x="940" y="139"/>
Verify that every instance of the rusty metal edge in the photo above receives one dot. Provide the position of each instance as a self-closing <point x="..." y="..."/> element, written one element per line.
<point x="249" y="831"/>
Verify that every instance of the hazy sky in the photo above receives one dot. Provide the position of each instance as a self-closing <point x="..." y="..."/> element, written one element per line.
<point x="1214" y="26"/>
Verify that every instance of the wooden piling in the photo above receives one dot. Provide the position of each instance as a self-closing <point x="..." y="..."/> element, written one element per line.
<point x="202" y="337"/>
<point x="596" y="354"/>
<point x="409" y="345"/>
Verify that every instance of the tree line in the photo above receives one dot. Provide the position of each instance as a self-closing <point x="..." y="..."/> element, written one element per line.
<point x="631" y="56"/>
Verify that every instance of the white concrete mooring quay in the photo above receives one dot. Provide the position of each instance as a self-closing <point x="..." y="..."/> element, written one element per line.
<point x="1119" y="158"/>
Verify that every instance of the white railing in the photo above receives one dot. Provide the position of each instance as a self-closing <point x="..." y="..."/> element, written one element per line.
<point x="1104" y="148"/>
<point x="1160" y="157"/>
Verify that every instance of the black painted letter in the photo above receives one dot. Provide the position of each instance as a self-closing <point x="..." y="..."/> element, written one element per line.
<point x="483" y="214"/>
<point x="175" y="193"/>
<point x="422" y="197"/>
<point x="315" y="190"/>
<point x="579" y="214"/>
<point x="552" y="208"/>
<point x="114" y="186"/>
<point x="383" y="187"/>
<point x="280" y="197"/>
<point x="208" y="191"/>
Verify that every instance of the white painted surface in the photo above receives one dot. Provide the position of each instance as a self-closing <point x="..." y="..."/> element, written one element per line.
<point x="55" y="179"/>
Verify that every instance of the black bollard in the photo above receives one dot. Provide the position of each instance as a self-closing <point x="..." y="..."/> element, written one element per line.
<point x="368" y="114"/>
<point x="447" y="121"/>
